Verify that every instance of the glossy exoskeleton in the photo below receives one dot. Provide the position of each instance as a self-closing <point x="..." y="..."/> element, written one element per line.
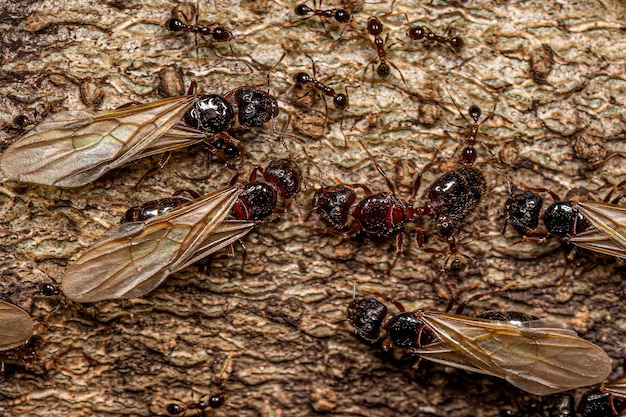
<point x="367" y="316"/>
<point x="69" y="150"/>
<point x="135" y="257"/>
<point x="607" y="401"/>
<point x="596" y="226"/>
<point x="215" y="401"/>
<point x="558" y="405"/>
<point x="418" y="33"/>
<point x="379" y="214"/>
<point x="340" y="100"/>
<point x="216" y="33"/>
<point x="259" y="198"/>
<point x="342" y="16"/>
<point x="531" y="355"/>
<point x="375" y="29"/>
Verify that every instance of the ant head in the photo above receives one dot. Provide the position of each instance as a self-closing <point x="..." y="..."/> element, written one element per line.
<point x="416" y="33"/>
<point x="221" y="35"/>
<point x="341" y="101"/>
<point x="343" y="16"/>
<point x="374" y="26"/>
<point x="174" y="24"/>
<point x="383" y="70"/>
<point x="456" y="42"/>
<point x="474" y="113"/>
<point x="302" y="10"/>
<point x="302" y="78"/>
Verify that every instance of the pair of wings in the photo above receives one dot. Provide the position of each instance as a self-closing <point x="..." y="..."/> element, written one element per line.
<point x="134" y="258"/>
<point x="16" y="328"/>
<point x="540" y="359"/>
<point x="71" y="149"/>
<point x="608" y="234"/>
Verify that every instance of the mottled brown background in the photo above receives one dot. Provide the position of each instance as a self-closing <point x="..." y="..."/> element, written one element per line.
<point x="555" y="70"/>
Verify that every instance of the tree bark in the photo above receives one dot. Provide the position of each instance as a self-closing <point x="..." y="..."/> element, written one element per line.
<point x="549" y="78"/>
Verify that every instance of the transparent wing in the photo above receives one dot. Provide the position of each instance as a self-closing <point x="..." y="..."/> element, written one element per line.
<point x="609" y="222"/>
<point x="72" y="149"/>
<point x="16" y="326"/>
<point x="136" y="257"/>
<point x="540" y="360"/>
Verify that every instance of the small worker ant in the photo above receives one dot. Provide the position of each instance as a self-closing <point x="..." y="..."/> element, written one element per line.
<point x="375" y="29"/>
<point x="418" y="33"/>
<point x="341" y="16"/>
<point x="340" y="100"/>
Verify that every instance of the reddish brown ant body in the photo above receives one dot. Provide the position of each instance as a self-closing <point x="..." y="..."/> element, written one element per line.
<point x="342" y="16"/>
<point x="259" y="198"/>
<point x="418" y="33"/>
<point x="216" y="34"/>
<point x="503" y="344"/>
<point x="375" y="29"/>
<point x="340" y="100"/>
<point x="592" y="225"/>
<point x="380" y="214"/>
<point x="215" y="401"/>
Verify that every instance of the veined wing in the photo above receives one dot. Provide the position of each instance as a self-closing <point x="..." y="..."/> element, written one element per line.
<point x="15" y="324"/>
<point x="136" y="257"/>
<point x="71" y="153"/>
<point x="540" y="360"/>
<point x="616" y="387"/>
<point x="597" y="241"/>
<point x="179" y="136"/>
<point x="609" y="220"/>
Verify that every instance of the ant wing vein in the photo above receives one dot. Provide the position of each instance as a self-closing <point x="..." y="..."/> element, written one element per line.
<point x="539" y="360"/>
<point x="75" y="152"/>
<point x="16" y="328"/>
<point x="179" y="136"/>
<point x="617" y="387"/>
<point x="608" y="234"/>
<point x="136" y="257"/>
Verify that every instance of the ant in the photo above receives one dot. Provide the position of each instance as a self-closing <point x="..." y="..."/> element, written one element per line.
<point x="217" y="33"/>
<point x="454" y="195"/>
<point x="259" y="198"/>
<point x="380" y="214"/>
<point x="375" y="29"/>
<point x="340" y="100"/>
<point x="213" y="33"/>
<point x="418" y="33"/>
<point x="215" y="401"/>
<point x="591" y="225"/>
<point x="341" y="16"/>
<point x="475" y="343"/>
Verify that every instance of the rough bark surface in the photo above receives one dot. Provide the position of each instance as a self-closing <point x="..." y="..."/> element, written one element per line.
<point x="553" y="73"/>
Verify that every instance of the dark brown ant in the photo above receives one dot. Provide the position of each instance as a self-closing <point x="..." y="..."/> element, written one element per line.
<point x="340" y="100"/>
<point x="259" y="198"/>
<point x="215" y="401"/>
<point x="216" y="34"/>
<point x="418" y="33"/>
<point x="342" y="16"/>
<point x="18" y="124"/>
<point x="375" y="29"/>
<point x="596" y="226"/>
<point x="379" y="214"/>
<point x="472" y="343"/>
